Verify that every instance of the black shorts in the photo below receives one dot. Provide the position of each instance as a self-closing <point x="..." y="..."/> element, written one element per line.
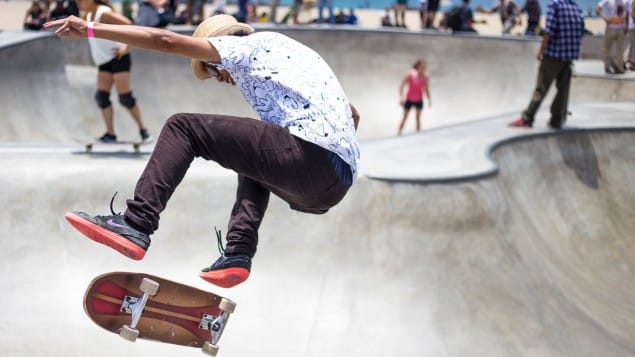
<point x="433" y="5"/>
<point x="116" y="65"/>
<point x="408" y="104"/>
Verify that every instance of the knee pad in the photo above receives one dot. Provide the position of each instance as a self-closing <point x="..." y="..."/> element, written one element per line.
<point x="103" y="99"/>
<point x="127" y="100"/>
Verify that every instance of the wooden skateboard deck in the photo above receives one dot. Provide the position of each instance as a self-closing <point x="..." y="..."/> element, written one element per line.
<point x="92" y="143"/>
<point x="164" y="310"/>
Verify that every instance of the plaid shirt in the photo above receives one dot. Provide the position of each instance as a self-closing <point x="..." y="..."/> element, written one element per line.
<point x="565" y="26"/>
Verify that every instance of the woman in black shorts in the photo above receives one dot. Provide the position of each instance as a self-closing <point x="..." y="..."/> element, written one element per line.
<point x="113" y="60"/>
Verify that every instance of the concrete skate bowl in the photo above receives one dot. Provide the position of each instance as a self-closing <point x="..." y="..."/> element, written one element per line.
<point x="48" y="83"/>
<point x="535" y="261"/>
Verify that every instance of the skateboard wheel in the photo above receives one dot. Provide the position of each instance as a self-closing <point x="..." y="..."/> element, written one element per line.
<point x="210" y="349"/>
<point x="149" y="286"/>
<point x="128" y="333"/>
<point x="227" y="305"/>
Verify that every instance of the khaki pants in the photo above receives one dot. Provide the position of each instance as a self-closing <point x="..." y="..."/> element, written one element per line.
<point x="631" y="52"/>
<point x="551" y="69"/>
<point x="614" y="39"/>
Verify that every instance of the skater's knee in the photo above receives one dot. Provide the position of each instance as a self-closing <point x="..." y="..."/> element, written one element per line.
<point x="127" y="100"/>
<point x="178" y="119"/>
<point x="102" y="98"/>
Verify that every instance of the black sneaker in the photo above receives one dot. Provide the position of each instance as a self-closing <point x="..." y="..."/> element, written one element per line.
<point x="228" y="270"/>
<point x="145" y="136"/>
<point x="554" y="124"/>
<point x="113" y="231"/>
<point x="108" y="138"/>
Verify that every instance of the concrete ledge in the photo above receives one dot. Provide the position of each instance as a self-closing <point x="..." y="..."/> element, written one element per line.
<point x="463" y="152"/>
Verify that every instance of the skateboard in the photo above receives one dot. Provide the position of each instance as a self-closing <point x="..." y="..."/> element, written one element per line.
<point x="91" y="143"/>
<point x="136" y="305"/>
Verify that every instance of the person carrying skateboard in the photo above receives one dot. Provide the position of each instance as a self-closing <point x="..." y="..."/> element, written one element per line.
<point x="303" y="149"/>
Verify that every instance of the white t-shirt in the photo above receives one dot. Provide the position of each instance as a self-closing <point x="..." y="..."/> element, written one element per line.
<point x="101" y="50"/>
<point x="629" y="12"/>
<point x="290" y="85"/>
<point x="610" y="8"/>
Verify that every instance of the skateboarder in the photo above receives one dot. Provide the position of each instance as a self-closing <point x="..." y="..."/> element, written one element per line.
<point x="114" y="63"/>
<point x="304" y="148"/>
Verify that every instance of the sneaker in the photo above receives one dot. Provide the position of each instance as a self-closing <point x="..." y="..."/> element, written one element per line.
<point x="108" y="138"/>
<point x="553" y="125"/>
<point x="113" y="231"/>
<point x="228" y="270"/>
<point x="521" y="122"/>
<point x="145" y="136"/>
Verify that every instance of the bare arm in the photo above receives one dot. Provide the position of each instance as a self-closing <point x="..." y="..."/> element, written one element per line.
<point x="543" y="44"/>
<point x="518" y="12"/>
<point x="598" y="10"/>
<point x="148" y="38"/>
<point x="402" y="86"/>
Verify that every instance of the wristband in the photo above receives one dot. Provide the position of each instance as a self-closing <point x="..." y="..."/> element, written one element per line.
<point x="90" y="30"/>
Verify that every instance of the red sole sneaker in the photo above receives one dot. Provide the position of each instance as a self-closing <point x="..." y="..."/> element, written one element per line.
<point x="226" y="278"/>
<point x="106" y="237"/>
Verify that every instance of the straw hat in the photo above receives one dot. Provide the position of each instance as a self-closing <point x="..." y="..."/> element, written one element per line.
<point x="217" y="25"/>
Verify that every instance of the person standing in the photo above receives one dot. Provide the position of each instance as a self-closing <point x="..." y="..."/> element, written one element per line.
<point x="400" y="8"/>
<point x="630" y="8"/>
<point x="559" y="47"/>
<point x="614" y="14"/>
<point x="411" y="91"/>
<point x="532" y="8"/>
<point x="431" y="13"/>
<point x="114" y="63"/>
<point x="321" y="4"/>
<point x="35" y="16"/>
<point x="508" y="11"/>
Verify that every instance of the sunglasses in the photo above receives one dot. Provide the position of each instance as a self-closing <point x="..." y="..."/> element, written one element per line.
<point x="211" y="69"/>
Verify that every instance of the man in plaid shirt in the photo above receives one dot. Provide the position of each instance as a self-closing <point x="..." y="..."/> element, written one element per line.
<point x="560" y="46"/>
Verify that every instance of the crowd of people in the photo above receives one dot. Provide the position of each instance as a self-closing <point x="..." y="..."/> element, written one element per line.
<point x="619" y="16"/>
<point x="42" y="11"/>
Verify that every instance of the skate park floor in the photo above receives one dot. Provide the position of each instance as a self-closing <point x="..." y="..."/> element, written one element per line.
<point x="468" y="238"/>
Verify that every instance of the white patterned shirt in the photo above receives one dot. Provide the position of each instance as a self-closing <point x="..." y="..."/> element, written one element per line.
<point x="290" y="85"/>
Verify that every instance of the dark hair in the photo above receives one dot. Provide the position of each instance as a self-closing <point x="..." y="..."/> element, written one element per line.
<point x="418" y="63"/>
<point x="620" y="9"/>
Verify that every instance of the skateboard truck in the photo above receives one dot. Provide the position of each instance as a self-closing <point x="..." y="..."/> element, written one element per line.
<point x="215" y="325"/>
<point x="134" y="306"/>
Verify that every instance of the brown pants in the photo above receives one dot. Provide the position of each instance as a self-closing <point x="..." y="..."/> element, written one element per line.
<point x="551" y="69"/>
<point x="266" y="157"/>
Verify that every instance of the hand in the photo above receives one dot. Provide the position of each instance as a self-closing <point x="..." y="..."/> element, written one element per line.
<point x="224" y="77"/>
<point x="121" y="51"/>
<point x="539" y="55"/>
<point x="72" y="27"/>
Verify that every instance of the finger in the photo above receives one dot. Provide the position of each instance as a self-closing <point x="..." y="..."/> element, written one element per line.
<point x="52" y="24"/>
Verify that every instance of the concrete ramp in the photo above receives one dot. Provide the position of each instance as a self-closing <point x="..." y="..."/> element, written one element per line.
<point x="48" y="83"/>
<point x="444" y="253"/>
<point x="536" y="261"/>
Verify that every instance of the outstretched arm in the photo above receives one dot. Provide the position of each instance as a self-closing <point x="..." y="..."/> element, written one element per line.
<point x="138" y="36"/>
